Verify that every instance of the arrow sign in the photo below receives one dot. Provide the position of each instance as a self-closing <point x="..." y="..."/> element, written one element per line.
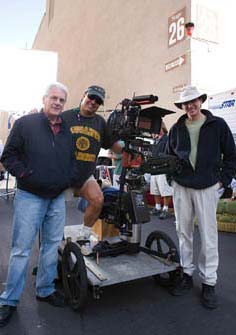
<point x="175" y="63"/>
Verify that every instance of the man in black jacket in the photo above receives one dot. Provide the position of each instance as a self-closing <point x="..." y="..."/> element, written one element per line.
<point x="205" y="145"/>
<point x="39" y="152"/>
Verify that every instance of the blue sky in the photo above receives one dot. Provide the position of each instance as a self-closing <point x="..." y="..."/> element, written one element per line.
<point x="19" y="21"/>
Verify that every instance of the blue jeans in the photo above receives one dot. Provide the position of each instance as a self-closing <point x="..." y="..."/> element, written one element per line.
<point x="31" y="214"/>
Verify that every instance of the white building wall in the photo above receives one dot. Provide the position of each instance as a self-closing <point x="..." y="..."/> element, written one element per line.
<point x="213" y="46"/>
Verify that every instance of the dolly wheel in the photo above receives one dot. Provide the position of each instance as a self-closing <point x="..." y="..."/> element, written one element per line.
<point x="74" y="276"/>
<point x="166" y="249"/>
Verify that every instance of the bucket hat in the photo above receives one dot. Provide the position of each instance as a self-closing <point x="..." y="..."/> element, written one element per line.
<point x="189" y="93"/>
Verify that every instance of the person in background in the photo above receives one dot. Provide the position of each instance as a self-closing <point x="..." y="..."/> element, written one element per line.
<point x="117" y="162"/>
<point x="39" y="153"/>
<point x="205" y="146"/>
<point x="159" y="186"/>
<point x="1" y="148"/>
<point x="2" y="170"/>
<point x="233" y="188"/>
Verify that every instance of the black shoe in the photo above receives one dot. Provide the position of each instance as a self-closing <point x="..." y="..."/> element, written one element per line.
<point x="209" y="297"/>
<point x="6" y="312"/>
<point x="164" y="215"/>
<point x="55" y="299"/>
<point x="183" y="285"/>
<point x="155" y="211"/>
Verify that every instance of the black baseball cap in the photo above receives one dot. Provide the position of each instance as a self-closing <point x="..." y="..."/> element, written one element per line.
<point x="96" y="90"/>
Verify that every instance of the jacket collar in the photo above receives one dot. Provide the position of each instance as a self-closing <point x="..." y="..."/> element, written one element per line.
<point x="209" y="117"/>
<point x="47" y="121"/>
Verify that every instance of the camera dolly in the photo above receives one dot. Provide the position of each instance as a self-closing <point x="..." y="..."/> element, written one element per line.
<point x="124" y="258"/>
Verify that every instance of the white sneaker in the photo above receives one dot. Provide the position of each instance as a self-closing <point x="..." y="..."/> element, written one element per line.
<point x="86" y="249"/>
<point x="87" y="231"/>
<point x="93" y="238"/>
<point x="84" y="233"/>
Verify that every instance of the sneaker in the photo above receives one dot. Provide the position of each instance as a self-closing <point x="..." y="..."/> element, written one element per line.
<point x="183" y="285"/>
<point x="86" y="249"/>
<point x="6" y="312"/>
<point x="87" y="231"/>
<point x="155" y="211"/>
<point x="164" y="215"/>
<point x="84" y="233"/>
<point x="209" y="298"/>
<point x="55" y="299"/>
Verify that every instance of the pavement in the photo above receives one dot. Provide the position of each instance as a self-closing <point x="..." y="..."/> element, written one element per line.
<point x="140" y="307"/>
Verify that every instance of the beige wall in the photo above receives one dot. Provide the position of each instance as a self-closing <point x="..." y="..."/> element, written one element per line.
<point x="119" y="44"/>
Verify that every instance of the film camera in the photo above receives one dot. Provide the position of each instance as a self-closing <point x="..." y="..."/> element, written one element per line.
<point x="134" y="125"/>
<point x="126" y="208"/>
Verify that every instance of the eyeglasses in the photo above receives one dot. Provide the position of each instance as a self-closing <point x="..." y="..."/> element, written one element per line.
<point x="95" y="98"/>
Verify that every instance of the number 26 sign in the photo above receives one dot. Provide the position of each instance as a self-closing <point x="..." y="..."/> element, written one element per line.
<point x="176" y="27"/>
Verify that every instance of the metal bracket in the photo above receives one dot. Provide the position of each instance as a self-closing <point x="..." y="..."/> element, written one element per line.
<point x="94" y="269"/>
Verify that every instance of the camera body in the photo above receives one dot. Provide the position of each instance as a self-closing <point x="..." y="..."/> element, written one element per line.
<point x="134" y="126"/>
<point x="132" y="121"/>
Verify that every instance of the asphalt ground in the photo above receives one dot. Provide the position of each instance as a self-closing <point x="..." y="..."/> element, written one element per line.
<point x="140" y="307"/>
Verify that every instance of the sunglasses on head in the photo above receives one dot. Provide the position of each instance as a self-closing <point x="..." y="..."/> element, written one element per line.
<point x="95" y="98"/>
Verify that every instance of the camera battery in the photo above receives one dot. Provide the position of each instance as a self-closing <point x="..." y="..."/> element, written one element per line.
<point x="140" y="207"/>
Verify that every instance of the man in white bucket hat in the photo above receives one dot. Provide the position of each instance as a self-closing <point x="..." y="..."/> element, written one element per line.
<point x="205" y="145"/>
<point x="189" y="94"/>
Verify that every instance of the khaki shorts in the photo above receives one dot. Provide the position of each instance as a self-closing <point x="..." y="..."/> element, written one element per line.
<point x="160" y="186"/>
